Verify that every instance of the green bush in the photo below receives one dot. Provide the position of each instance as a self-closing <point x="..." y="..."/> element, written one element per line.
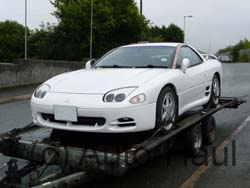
<point x="11" y="41"/>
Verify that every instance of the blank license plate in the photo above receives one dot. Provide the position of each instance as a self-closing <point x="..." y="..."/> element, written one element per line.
<point x="65" y="113"/>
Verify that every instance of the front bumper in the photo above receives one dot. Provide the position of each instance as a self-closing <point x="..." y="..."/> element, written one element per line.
<point x="143" y="117"/>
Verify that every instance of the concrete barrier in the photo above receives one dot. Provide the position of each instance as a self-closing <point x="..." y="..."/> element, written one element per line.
<point x="27" y="72"/>
<point x="14" y="99"/>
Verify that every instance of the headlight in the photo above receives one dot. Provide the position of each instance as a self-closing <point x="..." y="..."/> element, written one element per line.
<point x="138" y="99"/>
<point x="118" y="95"/>
<point x="42" y="91"/>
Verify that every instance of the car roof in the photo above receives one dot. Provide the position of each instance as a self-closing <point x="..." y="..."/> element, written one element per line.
<point x="154" y="44"/>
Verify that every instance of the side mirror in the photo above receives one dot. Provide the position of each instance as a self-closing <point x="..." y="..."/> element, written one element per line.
<point x="185" y="64"/>
<point x="89" y="64"/>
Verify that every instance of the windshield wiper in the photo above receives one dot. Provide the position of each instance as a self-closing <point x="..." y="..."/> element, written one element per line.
<point x="119" y="66"/>
<point x="113" y="66"/>
<point x="152" y="66"/>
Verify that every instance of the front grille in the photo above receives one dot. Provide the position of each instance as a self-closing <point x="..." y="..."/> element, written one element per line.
<point x="51" y="118"/>
<point x="92" y="121"/>
<point x="88" y="121"/>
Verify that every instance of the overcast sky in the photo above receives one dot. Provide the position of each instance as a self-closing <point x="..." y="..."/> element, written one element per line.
<point x="223" y="22"/>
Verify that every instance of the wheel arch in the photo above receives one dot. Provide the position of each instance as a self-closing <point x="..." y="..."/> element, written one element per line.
<point x="175" y="90"/>
<point x="160" y="91"/>
<point x="219" y="77"/>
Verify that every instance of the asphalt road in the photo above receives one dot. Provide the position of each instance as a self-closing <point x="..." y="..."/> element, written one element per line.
<point x="159" y="172"/>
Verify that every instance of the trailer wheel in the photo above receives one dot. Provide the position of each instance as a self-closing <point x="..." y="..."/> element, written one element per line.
<point x="209" y="130"/>
<point x="193" y="140"/>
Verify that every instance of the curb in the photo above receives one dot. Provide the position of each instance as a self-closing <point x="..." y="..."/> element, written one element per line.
<point x="14" y="99"/>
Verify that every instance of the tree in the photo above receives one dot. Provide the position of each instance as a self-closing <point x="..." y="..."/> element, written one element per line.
<point x="41" y="42"/>
<point x="173" y="33"/>
<point x="116" y="22"/>
<point x="162" y="34"/>
<point x="243" y="44"/>
<point x="11" y="41"/>
<point x="228" y="49"/>
<point x="234" y="50"/>
<point x="244" y="57"/>
<point x="155" y="34"/>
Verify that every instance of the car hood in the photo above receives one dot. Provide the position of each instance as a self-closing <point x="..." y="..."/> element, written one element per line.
<point x="101" y="81"/>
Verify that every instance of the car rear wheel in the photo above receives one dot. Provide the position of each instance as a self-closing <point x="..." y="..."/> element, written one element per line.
<point x="215" y="92"/>
<point x="166" y="110"/>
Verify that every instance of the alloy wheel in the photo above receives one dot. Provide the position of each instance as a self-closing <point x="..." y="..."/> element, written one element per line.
<point x="216" y="90"/>
<point x="168" y="111"/>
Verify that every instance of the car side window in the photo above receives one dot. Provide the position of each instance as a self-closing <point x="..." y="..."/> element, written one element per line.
<point x="187" y="52"/>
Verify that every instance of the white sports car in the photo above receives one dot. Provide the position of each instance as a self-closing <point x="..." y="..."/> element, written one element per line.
<point x="130" y="89"/>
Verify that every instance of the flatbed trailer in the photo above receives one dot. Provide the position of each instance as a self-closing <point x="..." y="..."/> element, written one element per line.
<point x="66" y="159"/>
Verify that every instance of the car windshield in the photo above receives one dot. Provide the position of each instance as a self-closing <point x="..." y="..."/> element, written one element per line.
<point x="138" y="57"/>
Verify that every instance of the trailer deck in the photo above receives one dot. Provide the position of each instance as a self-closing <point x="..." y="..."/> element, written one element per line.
<point x="79" y="157"/>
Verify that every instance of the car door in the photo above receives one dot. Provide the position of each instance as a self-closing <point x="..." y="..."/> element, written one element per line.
<point x="194" y="79"/>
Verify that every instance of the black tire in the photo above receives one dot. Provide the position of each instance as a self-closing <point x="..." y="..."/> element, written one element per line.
<point x="166" y="124"/>
<point x="215" y="92"/>
<point x="208" y="130"/>
<point x="193" y="140"/>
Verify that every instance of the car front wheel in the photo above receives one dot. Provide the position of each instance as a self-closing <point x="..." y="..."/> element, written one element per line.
<point x="166" y="112"/>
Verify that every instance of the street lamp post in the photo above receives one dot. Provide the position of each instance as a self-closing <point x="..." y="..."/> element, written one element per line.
<point x="141" y="6"/>
<point x="91" y="30"/>
<point x="184" y="27"/>
<point x="26" y="33"/>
